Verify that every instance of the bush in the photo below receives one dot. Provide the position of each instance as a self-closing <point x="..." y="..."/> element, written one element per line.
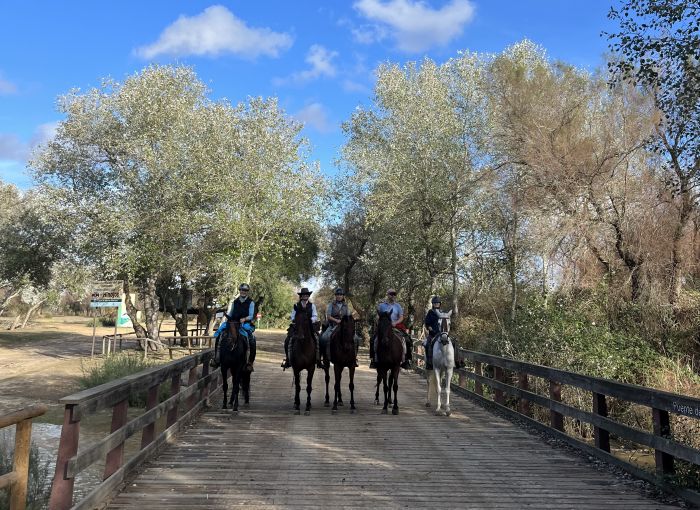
<point x="116" y="366"/>
<point x="108" y="322"/>
<point x="39" y="484"/>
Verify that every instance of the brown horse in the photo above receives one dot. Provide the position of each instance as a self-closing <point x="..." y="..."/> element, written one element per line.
<point x="231" y="349"/>
<point x="302" y="356"/>
<point x="389" y="355"/>
<point x="343" y="355"/>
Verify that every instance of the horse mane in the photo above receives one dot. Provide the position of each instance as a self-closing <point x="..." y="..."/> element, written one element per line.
<point x="384" y="324"/>
<point x="301" y="323"/>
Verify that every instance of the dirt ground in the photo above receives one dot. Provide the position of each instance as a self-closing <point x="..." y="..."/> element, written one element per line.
<point x="42" y="363"/>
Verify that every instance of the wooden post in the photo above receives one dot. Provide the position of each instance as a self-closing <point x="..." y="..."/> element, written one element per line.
<point x="192" y="379"/>
<point x="62" y="488"/>
<point x="149" y="430"/>
<point x="462" y="382"/>
<point x="556" y="419"/>
<point x="602" y="436"/>
<point x="497" y="393"/>
<point x="23" y="438"/>
<point x="662" y="427"/>
<point x="174" y="390"/>
<point x="478" y="387"/>
<point x="116" y="456"/>
<point x="523" y="403"/>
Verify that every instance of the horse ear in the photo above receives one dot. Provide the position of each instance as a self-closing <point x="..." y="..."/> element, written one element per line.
<point x="449" y="314"/>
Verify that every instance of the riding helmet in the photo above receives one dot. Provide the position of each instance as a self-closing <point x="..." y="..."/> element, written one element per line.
<point x="243" y="286"/>
<point x="436" y="299"/>
<point x="340" y="291"/>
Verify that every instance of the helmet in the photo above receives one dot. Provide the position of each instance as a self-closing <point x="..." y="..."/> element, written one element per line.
<point x="436" y="299"/>
<point x="243" y="286"/>
<point x="339" y="290"/>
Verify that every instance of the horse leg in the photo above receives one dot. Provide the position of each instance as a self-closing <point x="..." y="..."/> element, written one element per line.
<point x="340" y="387"/>
<point x="390" y="378"/>
<point x="297" y="389"/>
<point x="429" y="383"/>
<point x="246" y="387"/>
<point x="309" y="378"/>
<point x="448" y="383"/>
<point x="336" y="387"/>
<point x="224" y="376"/>
<point x="395" y="376"/>
<point x="438" y="386"/>
<point x="326" y="370"/>
<point x="386" y="392"/>
<point x="376" y="393"/>
<point x="351" y="370"/>
<point x="236" y="389"/>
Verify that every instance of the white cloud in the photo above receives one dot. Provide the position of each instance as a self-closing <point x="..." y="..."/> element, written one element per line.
<point x="13" y="148"/>
<point x="7" y="87"/>
<point x="353" y="86"/>
<point x="314" y="115"/>
<point x="321" y="64"/>
<point x="414" y="24"/>
<point x="213" y="32"/>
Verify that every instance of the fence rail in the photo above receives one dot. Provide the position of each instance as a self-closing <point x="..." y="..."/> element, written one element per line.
<point x="16" y="481"/>
<point x="508" y="377"/>
<point x="114" y="395"/>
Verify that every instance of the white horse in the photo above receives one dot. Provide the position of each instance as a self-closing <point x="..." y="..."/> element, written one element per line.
<point x="443" y="366"/>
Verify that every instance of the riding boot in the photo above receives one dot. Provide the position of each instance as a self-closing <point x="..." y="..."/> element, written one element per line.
<point x="372" y="362"/>
<point x="429" y="354"/>
<point x="319" y="363"/>
<point x="409" y="353"/>
<point x="250" y="355"/>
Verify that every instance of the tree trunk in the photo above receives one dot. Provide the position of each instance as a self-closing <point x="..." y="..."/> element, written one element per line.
<point x="545" y="271"/>
<point x="132" y="312"/>
<point x="30" y="312"/>
<point x="16" y="323"/>
<point x="676" y="259"/>
<point x="13" y="293"/>
<point x="150" y="305"/>
<point x="455" y="277"/>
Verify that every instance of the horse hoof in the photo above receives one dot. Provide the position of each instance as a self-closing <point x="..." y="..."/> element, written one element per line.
<point x="307" y="413"/>
<point x="297" y="412"/>
<point x="340" y="403"/>
<point x="326" y="404"/>
<point x="395" y="411"/>
<point x="384" y="411"/>
<point x="352" y="410"/>
<point x="438" y="412"/>
<point x="448" y="412"/>
<point x="334" y="410"/>
<point x="376" y="402"/>
<point x="427" y="404"/>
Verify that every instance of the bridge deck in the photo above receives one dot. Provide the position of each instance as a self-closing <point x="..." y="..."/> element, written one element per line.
<point x="267" y="457"/>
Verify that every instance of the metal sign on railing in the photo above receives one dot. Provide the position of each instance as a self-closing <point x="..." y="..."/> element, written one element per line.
<point x="106" y="294"/>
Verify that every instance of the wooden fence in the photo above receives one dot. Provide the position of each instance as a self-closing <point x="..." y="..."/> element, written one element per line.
<point x="508" y="377"/>
<point x="114" y="395"/>
<point x="16" y="480"/>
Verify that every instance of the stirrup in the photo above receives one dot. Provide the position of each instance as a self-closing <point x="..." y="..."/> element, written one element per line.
<point x="372" y="364"/>
<point x="406" y="365"/>
<point x="285" y="364"/>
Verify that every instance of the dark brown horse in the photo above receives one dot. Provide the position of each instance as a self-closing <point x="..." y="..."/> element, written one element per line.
<point x="302" y="356"/>
<point x="232" y="359"/>
<point x="343" y="355"/>
<point x="389" y="356"/>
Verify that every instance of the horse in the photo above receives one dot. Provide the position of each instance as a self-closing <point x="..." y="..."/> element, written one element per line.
<point x="443" y="365"/>
<point x="343" y="355"/>
<point x="302" y="356"/>
<point x="389" y="356"/>
<point x="232" y="358"/>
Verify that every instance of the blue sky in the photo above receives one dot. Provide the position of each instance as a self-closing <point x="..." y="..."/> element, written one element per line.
<point x="316" y="56"/>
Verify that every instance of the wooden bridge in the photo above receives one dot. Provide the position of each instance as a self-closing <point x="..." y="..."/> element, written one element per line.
<point x="192" y="456"/>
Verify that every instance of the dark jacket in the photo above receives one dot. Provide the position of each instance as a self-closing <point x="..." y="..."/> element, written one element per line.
<point x="432" y="322"/>
<point x="241" y="309"/>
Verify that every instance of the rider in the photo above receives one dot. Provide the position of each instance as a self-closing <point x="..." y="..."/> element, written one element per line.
<point x="390" y="305"/>
<point x="335" y="311"/>
<point x="432" y="323"/>
<point x="243" y="310"/>
<point x="303" y="304"/>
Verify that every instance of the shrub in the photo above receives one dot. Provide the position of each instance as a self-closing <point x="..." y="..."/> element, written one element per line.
<point x="39" y="483"/>
<point x="119" y="365"/>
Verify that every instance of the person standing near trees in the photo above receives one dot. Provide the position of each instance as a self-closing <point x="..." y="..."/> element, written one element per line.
<point x="390" y="305"/>
<point x="432" y="324"/>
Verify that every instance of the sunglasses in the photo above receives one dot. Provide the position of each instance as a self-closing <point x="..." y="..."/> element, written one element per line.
<point x="391" y="293"/>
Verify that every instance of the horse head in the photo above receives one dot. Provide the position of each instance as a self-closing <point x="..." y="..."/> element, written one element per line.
<point x="301" y="324"/>
<point x="384" y="325"/>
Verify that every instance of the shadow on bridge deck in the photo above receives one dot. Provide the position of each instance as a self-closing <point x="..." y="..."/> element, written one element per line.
<point x="267" y="457"/>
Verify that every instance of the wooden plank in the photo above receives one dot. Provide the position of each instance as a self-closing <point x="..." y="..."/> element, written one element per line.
<point x="8" y="479"/>
<point x="23" y="439"/>
<point x="26" y="413"/>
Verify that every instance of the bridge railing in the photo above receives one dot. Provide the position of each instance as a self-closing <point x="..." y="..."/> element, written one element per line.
<point x="114" y="395"/>
<point x="16" y="481"/>
<point x="504" y="376"/>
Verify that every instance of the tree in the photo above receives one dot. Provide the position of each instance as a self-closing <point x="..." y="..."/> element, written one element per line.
<point x="657" y="48"/>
